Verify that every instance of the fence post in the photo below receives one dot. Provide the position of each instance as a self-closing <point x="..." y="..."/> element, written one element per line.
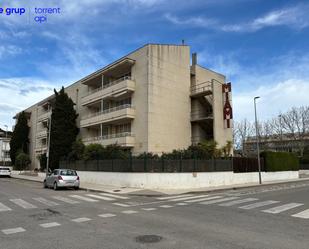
<point x="180" y="162"/>
<point x="214" y="164"/>
<point x="98" y="165"/>
<point x="194" y="161"/>
<point x="162" y="164"/>
<point x="131" y="165"/>
<point x="112" y="165"/>
<point x="145" y="162"/>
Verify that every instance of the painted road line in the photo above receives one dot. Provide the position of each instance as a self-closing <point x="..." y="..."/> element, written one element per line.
<point x="166" y="206"/>
<point x="13" y="230"/>
<point x="107" y="215"/>
<point x="101" y="197"/>
<point x="129" y="212"/>
<point x="82" y="219"/>
<point x="115" y="196"/>
<point x="46" y="202"/>
<point x="303" y="214"/>
<point x="189" y="198"/>
<point x="258" y="204"/>
<point x="218" y="200"/>
<point x="121" y="204"/>
<point x="231" y="203"/>
<point x="4" y="208"/>
<point x="83" y="198"/>
<point x="279" y="209"/>
<point x="51" y="224"/>
<point x="23" y="204"/>
<point x="65" y="199"/>
<point x="149" y="209"/>
<point x="205" y="199"/>
<point x="172" y="197"/>
<point x="181" y="204"/>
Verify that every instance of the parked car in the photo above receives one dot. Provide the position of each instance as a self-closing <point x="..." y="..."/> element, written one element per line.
<point x="62" y="178"/>
<point x="5" y="171"/>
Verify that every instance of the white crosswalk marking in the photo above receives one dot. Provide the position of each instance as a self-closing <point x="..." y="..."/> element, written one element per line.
<point x="303" y="214"/>
<point x="13" y="230"/>
<point x="129" y="212"/>
<point x="101" y="197"/>
<point x="115" y="196"/>
<point x="218" y="200"/>
<point x="82" y="219"/>
<point x="65" y="199"/>
<point x="166" y="206"/>
<point x="83" y="198"/>
<point x="181" y="204"/>
<point x="107" y="215"/>
<point x="205" y="199"/>
<point x="258" y="204"/>
<point x="172" y="197"/>
<point x="121" y="204"/>
<point x="189" y="198"/>
<point x="51" y="224"/>
<point x="46" y="202"/>
<point x="4" y="208"/>
<point x="23" y="204"/>
<point x="279" y="209"/>
<point x="231" y="203"/>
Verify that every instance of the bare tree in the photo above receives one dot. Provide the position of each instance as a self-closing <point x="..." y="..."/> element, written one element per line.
<point x="296" y="124"/>
<point x="242" y="130"/>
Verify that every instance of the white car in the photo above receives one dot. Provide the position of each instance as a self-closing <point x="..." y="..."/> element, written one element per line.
<point x="5" y="171"/>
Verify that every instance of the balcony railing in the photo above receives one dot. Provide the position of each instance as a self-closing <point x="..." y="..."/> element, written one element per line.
<point x="117" y="108"/>
<point x="111" y="136"/>
<point x="201" y="115"/>
<point x="205" y="87"/>
<point x="108" y="85"/>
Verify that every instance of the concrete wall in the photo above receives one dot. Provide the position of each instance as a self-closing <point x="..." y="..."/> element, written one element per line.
<point x="181" y="180"/>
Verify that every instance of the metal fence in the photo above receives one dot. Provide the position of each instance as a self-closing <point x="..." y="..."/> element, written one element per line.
<point x="164" y="165"/>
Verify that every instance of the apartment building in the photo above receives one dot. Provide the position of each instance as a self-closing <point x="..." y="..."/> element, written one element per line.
<point x="151" y="100"/>
<point x="5" y="138"/>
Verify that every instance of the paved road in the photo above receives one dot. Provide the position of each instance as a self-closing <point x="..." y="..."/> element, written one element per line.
<point x="268" y="217"/>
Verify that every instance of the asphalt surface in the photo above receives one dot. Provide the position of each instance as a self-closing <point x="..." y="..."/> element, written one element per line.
<point x="267" y="217"/>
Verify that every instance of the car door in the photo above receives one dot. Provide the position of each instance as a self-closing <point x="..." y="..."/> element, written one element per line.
<point x="51" y="178"/>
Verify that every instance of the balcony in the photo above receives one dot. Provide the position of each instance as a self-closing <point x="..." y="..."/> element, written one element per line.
<point x="41" y="134"/>
<point x="201" y="116"/>
<point x="201" y="89"/>
<point x="125" y="139"/>
<point x="111" y="90"/>
<point x="112" y="115"/>
<point x="43" y="116"/>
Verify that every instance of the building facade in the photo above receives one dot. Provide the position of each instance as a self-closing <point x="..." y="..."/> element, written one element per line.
<point x="284" y="143"/>
<point x="5" y="138"/>
<point x="151" y="100"/>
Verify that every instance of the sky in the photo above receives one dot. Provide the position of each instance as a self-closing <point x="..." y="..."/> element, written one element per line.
<point x="260" y="45"/>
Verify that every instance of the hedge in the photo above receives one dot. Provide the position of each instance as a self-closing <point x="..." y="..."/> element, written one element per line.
<point x="280" y="161"/>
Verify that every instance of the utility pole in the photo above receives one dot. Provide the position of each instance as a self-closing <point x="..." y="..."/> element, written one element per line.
<point x="257" y="140"/>
<point x="6" y="136"/>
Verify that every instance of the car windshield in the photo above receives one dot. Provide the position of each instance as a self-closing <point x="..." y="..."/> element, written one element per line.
<point x="67" y="173"/>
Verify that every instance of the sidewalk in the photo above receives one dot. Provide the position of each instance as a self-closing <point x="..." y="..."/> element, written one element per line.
<point x="137" y="191"/>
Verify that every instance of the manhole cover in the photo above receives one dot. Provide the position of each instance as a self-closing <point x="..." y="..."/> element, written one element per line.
<point x="148" y="238"/>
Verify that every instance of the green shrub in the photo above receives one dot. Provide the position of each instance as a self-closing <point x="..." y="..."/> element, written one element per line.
<point x="93" y="152"/>
<point x="280" y="161"/>
<point x="22" y="161"/>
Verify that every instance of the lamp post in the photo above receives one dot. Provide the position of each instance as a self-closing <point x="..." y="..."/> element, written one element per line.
<point x="257" y="140"/>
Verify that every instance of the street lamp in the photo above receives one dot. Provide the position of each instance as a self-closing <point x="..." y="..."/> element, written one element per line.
<point x="257" y="140"/>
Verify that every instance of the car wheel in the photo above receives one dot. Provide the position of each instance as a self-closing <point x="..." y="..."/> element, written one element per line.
<point x="76" y="188"/>
<point x="55" y="186"/>
<point x="44" y="184"/>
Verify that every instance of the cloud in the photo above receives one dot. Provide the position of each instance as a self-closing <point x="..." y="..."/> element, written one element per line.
<point x="9" y="50"/>
<point x="194" y="21"/>
<point x="293" y="17"/>
<point x="274" y="99"/>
